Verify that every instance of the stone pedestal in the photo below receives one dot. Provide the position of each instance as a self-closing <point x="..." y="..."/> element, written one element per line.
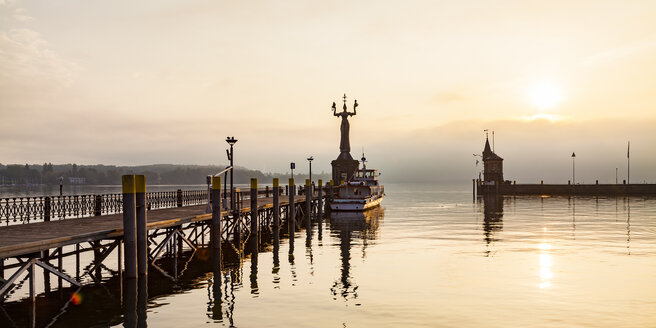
<point x="344" y="168"/>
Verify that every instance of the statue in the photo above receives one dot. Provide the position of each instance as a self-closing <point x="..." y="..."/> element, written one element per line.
<point x="345" y="144"/>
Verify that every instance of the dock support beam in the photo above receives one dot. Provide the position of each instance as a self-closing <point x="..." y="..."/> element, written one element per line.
<point x="129" y="226"/>
<point x="308" y="203"/>
<point x="215" y="229"/>
<point x="276" y="211"/>
<point x="142" y="221"/>
<point x="255" y="235"/>
<point x="292" y="212"/>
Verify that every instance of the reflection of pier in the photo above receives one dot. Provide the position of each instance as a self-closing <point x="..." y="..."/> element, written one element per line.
<point x="364" y="225"/>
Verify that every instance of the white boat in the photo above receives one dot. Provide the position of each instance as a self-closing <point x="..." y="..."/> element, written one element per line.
<point x="362" y="192"/>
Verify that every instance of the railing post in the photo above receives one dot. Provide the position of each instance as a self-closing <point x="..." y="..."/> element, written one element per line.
<point x="179" y="197"/>
<point x="129" y="226"/>
<point x="97" y="205"/>
<point x="47" y="206"/>
<point x="276" y="210"/>
<point x="142" y="221"/>
<point x="255" y="235"/>
<point x="215" y="228"/>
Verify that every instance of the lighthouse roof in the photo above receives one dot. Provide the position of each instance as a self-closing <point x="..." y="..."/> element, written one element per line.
<point x="488" y="154"/>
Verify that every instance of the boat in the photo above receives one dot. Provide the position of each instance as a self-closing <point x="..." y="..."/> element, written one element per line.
<point x="362" y="192"/>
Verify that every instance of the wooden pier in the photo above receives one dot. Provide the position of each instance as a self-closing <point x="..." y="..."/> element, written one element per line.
<point x="23" y="247"/>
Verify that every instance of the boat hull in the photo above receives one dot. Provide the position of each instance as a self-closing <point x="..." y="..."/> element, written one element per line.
<point x="354" y="205"/>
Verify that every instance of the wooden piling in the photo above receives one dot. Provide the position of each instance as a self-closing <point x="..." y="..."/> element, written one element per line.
<point x="215" y="227"/>
<point x="142" y="221"/>
<point x="292" y="211"/>
<point x="276" y="210"/>
<point x="129" y="226"/>
<point x="320" y="201"/>
<point x="308" y="203"/>
<point x="254" y="220"/>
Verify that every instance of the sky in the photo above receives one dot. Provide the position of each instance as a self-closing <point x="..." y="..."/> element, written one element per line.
<point x="145" y="82"/>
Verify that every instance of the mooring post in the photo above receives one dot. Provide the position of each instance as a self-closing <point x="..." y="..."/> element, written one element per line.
<point x="215" y="228"/>
<point x="266" y="191"/>
<point x="332" y="191"/>
<point x="320" y="201"/>
<point x="129" y="226"/>
<point x="255" y="235"/>
<point x="308" y="203"/>
<point x="142" y="221"/>
<point x="179" y="198"/>
<point x="276" y="210"/>
<point x="473" y="189"/>
<point x="292" y="211"/>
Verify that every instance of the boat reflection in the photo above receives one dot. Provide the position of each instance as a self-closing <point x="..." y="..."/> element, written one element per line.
<point x="348" y="226"/>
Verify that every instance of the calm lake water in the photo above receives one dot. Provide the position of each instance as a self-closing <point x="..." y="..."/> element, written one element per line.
<point x="430" y="257"/>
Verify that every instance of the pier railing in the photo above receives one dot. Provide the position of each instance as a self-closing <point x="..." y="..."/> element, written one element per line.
<point x="23" y="210"/>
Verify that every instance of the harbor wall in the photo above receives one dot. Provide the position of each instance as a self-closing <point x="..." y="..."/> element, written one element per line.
<point x="567" y="189"/>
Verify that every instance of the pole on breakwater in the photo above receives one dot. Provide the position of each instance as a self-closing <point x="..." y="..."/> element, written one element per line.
<point x="215" y="228"/>
<point x="129" y="226"/>
<point x="292" y="211"/>
<point x="142" y="221"/>
<point x="255" y="236"/>
<point x="276" y="210"/>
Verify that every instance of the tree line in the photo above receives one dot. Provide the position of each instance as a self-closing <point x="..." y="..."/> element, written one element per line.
<point x="50" y="174"/>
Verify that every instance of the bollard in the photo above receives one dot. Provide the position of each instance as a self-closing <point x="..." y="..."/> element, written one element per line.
<point x="292" y="211"/>
<point x="142" y="221"/>
<point x="179" y="198"/>
<point x="569" y="182"/>
<point x="541" y="182"/>
<point x="255" y="236"/>
<point x="266" y="191"/>
<point x="129" y="227"/>
<point x="46" y="209"/>
<point x="287" y="190"/>
<point x="623" y="181"/>
<point x="596" y="181"/>
<point x="276" y="210"/>
<point x="215" y="228"/>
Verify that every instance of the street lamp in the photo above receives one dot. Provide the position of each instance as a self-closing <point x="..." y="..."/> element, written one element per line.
<point x="310" y="159"/>
<point x="61" y="186"/>
<point x="231" y="141"/>
<point x="573" y="171"/>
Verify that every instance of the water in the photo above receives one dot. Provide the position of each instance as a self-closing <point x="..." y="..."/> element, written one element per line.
<point x="430" y="257"/>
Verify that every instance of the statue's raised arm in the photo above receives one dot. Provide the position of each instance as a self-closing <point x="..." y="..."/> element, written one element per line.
<point x="335" y="109"/>
<point x="355" y="106"/>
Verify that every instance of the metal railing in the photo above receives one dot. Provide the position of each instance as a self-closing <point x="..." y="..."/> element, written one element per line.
<point x="23" y="210"/>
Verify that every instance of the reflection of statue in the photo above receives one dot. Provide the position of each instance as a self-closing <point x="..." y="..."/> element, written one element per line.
<point x="344" y="144"/>
<point x="361" y="225"/>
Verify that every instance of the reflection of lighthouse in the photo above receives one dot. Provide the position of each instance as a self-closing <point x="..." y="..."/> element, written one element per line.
<point x="349" y="226"/>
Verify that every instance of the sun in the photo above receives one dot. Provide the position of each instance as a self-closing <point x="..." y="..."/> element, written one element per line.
<point x="545" y="95"/>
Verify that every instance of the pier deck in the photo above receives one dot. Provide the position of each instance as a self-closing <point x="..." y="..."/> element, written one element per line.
<point x="24" y="239"/>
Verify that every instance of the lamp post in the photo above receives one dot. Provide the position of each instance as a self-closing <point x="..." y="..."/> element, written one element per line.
<point x="310" y="159"/>
<point x="231" y="141"/>
<point x="573" y="171"/>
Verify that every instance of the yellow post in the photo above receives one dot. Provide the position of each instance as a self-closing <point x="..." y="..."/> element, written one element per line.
<point x="254" y="217"/>
<point x="215" y="227"/>
<point x="142" y="221"/>
<point x="129" y="226"/>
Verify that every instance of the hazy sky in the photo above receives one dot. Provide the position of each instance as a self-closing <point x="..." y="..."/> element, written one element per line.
<point x="141" y="82"/>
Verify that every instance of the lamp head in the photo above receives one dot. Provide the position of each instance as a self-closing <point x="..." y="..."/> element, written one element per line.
<point x="231" y="140"/>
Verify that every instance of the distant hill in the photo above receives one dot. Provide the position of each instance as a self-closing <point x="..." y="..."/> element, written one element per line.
<point x="49" y="173"/>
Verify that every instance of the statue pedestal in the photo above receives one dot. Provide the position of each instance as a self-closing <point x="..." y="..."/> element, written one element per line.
<point x="343" y="169"/>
